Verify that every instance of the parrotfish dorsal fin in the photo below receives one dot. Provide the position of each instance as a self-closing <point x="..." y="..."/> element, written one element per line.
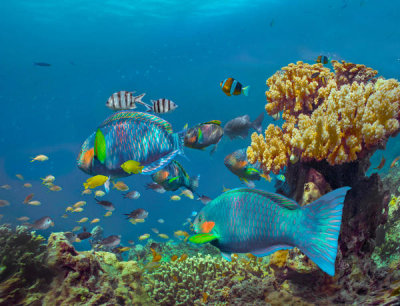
<point x="203" y="238"/>
<point x="277" y="198"/>
<point x="140" y="117"/>
<point x="100" y="146"/>
<point x="217" y="122"/>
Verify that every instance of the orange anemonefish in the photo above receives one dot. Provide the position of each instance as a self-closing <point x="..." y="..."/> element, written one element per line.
<point x="230" y="87"/>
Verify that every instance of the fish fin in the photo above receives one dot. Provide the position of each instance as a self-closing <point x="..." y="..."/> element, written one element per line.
<point x="107" y="186"/>
<point x="86" y="185"/>
<point x="100" y="146"/>
<point x="173" y="179"/>
<point x="277" y="198"/>
<point x="272" y="249"/>
<point x="217" y="122"/>
<point x="267" y="177"/>
<point x="159" y="164"/>
<point x="250" y="184"/>
<point x="250" y="171"/>
<point x="323" y="218"/>
<point x="179" y="141"/>
<point x="202" y="238"/>
<point x="194" y="184"/>
<point x="226" y="256"/>
<point x="245" y="90"/>
<point x="257" y="123"/>
<point x="138" y="99"/>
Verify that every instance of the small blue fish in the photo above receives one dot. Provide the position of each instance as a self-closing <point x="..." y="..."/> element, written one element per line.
<point x="194" y="213"/>
<point x="129" y="135"/>
<point x="259" y="222"/>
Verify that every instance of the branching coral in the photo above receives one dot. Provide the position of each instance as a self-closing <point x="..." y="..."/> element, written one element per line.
<point x="334" y="117"/>
<point x="183" y="282"/>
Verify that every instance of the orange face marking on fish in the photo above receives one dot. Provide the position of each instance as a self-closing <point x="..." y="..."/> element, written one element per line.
<point x="88" y="156"/>
<point x="242" y="164"/>
<point x="207" y="226"/>
<point x="394" y="162"/>
<point x="192" y="139"/>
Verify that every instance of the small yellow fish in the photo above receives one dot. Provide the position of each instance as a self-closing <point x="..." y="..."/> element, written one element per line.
<point x="23" y="218"/>
<point x="181" y="233"/>
<point x="40" y="157"/>
<point x="78" y="209"/>
<point x="77" y="240"/>
<point x="188" y="193"/>
<point x="87" y="191"/>
<point x="83" y="220"/>
<point x="55" y="188"/>
<point x="79" y="203"/>
<point x="34" y="203"/>
<point x="95" y="221"/>
<point x="27" y="185"/>
<point x="163" y="236"/>
<point x="48" y="179"/>
<point x="132" y="167"/>
<point x="108" y="213"/>
<point x="65" y="216"/>
<point x="121" y="186"/>
<point x="95" y="181"/>
<point x="134" y="221"/>
<point x="122" y="249"/>
<point x="175" y="198"/>
<point x="76" y="228"/>
<point x="6" y="187"/>
<point x="99" y="193"/>
<point x="19" y="176"/>
<point x="144" y="236"/>
<point x="69" y="208"/>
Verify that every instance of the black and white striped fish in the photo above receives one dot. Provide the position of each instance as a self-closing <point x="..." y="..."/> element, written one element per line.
<point x="122" y="100"/>
<point x="161" y="106"/>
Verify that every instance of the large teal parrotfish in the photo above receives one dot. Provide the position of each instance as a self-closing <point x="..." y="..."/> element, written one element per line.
<point x="129" y="135"/>
<point x="259" y="222"/>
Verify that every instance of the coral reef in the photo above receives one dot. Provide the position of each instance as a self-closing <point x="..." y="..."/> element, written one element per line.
<point x="23" y="271"/>
<point x="64" y="276"/>
<point x="337" y="117"/>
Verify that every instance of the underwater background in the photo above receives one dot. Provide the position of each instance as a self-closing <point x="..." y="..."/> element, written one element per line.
<point x="180" y="50"/>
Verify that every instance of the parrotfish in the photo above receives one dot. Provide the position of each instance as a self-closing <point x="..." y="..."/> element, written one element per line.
<point x="259" y="222"/>
<point x="238" y="164"/>
<point x="174" y="176"/>
<point x="129" y="135"/>
<point x="203" y="135"/>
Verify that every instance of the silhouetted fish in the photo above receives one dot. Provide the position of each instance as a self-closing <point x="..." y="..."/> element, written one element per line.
<point x="42" y="64"/>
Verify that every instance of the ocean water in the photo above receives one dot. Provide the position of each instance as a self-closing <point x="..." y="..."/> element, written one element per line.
<point x="179" y="50"/>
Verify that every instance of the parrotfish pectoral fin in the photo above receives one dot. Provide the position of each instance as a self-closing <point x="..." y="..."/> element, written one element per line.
<point x="322" y="223"/>
<point x="203" y="238"/>
<point x="245" y="90"/>
<point x="227" y="256"/>
<point x="100" y="146"/>
<point x="107" y="186"/>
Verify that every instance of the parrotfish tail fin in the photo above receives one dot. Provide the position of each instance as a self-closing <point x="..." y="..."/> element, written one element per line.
<point x="194" y="184"/>
<point x="160" y="164"/>
<point x="257" y="124"/>
<point x="179" y="141"/>
<point x="322" y="223"/>
<point x="245" y="90"/>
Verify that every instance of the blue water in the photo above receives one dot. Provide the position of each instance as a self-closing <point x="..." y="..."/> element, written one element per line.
<point x="181" y="50"/>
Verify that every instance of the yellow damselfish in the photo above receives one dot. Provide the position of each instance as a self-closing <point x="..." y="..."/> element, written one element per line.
<point x="132" y="167"/>
<point x="95" y="181"/>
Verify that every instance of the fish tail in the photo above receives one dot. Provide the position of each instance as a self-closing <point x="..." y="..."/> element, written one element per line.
<point x="257" y="124"/>
<point x="245" y="90"/>
<point x="323" y="218"/>
<point x="179" y="141"/>
<point x="195" y="183"/>
<point x="138" y="99"/>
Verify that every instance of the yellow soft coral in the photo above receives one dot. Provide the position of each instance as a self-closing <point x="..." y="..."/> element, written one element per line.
<point x="334" y="117"/>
